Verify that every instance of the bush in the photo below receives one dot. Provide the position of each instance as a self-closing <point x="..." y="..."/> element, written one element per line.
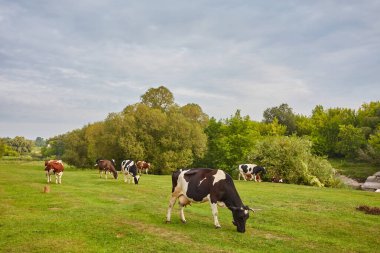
<point x="290" y="158"/>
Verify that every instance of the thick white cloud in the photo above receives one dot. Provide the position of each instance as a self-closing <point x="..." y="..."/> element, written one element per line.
<point x="65" y="64"/>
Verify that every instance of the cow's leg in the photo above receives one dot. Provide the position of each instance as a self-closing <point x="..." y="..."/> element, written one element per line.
<point x="214" y="210"/>
<point x="181" y="213"/>
<point x="172" y="201"/>
<point x="100" y="173"/>
<point x="60" y="177"/>
<point x="254" y="177"/>
<point x="242" y="174"/>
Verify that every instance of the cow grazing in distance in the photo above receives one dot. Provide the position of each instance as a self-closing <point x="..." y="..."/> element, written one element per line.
<point x="106" y="166"/>
<point x="251" y="172"/>
<point x="54" y="167"/>
<point x="141" y="166"/>
<point x="129" y="169"/>
<point x="214" y="186"/>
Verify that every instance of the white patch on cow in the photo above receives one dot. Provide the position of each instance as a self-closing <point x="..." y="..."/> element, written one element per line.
<point x="220" y="175"/>
<point x="201" y="181"/>
<point x="221" y="204"/>
<point x="245" y="212"/>
<point x="250" y="167"/>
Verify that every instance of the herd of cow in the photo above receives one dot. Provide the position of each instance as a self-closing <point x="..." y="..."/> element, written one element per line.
<point x="188" y="185"/>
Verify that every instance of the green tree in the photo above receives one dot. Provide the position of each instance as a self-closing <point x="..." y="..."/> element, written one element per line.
<point x="194" y="112"/>
<point x="285" y="116"/>
<point x="350" y="141"/>
<point x="55" y="147"/>
<point x="369" y="115"/>
<point x="21" y="145"/>
<point x="374" y="146"/>
<point x="304" y="125"/>
<point x="40" y="142"/>
<point x="230" y="141"/>
<point x="166" y="135"/>
<point x="160" y="98"/>
<point x="325" y="130"/>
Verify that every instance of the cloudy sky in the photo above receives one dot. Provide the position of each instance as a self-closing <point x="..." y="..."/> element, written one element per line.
<point x="64" y="64"/>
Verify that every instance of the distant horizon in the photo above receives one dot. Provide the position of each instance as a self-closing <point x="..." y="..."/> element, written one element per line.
<point x="45" y="138"/>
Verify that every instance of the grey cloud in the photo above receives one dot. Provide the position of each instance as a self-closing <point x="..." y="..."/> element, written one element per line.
<point x="99" y="56"/>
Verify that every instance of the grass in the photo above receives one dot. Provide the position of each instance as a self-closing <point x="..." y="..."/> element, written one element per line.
<point x="89" y="214"/>
<point x="356" y="170"/>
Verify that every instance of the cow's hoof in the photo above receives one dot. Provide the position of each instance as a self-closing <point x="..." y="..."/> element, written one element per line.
<point x="168" y="221"/>
<point x="216" y="227"/>
<point x="183" y="221"/>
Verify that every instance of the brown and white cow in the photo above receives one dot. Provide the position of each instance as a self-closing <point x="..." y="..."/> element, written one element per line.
<point x="214" y="186"/>
<point x="54" y="167"/>
<point x="106" y="166"/>
<point x="142" y="165"/>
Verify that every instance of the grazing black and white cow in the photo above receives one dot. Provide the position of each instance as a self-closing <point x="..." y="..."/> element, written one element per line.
<point x="54" y="167"/>
<point x="215" y="186"/>
<point x="129" y="169"/>
<point x="106" y="166"/>
<point x="251" y="172"/>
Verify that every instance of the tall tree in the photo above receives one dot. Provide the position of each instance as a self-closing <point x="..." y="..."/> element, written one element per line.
<point x="285" y="116"/>
<point x="160" y="98"/>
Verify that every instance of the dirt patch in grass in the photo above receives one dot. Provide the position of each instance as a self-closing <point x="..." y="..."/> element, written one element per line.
<point x="369" y="210"/>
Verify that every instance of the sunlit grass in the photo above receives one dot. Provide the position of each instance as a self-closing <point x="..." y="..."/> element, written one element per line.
<point x="89" y="214"/>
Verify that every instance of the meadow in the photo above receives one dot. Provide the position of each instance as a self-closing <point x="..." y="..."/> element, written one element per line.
<point x="89" y="214"/>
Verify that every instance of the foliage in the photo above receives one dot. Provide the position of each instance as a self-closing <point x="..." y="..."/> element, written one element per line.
<point x="285" y="116"/>
<point x="40" y="142"/>
<point x="326" y="126"/>
<point x="369" y="115"/>
<point x="230" y="141"/>
<point x="290" y="158"/>
<point x="167" y="136"/>
<point x="18" y="144"/>
<point x="54" y="148"/>
<point x="350" y="140"/>
<point x="159" y="98"/>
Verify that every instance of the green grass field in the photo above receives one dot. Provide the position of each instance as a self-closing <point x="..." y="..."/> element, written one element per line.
<point x="89" y="214"/>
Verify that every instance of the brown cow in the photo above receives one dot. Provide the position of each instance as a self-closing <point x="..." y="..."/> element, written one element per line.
<point x="54" y="167"/>
<point x="106" y="166"/>
<point x="142" y="165"/>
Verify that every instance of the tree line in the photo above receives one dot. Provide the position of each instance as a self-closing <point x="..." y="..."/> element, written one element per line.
<point x="170" y="136"/>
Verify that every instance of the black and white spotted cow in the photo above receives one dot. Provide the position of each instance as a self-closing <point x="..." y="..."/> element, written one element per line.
<point x="129" y="169"/>
<point x="251" y="172"/>
<point x="214" y="186"/>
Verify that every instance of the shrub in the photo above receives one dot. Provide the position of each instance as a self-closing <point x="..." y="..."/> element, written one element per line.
<point x="291" y="158"/>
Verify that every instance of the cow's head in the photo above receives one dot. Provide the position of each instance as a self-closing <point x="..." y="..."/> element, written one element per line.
<point x="114" y="172"/>
<point x="240" y="215"/>
<point x="136" y="179"/>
